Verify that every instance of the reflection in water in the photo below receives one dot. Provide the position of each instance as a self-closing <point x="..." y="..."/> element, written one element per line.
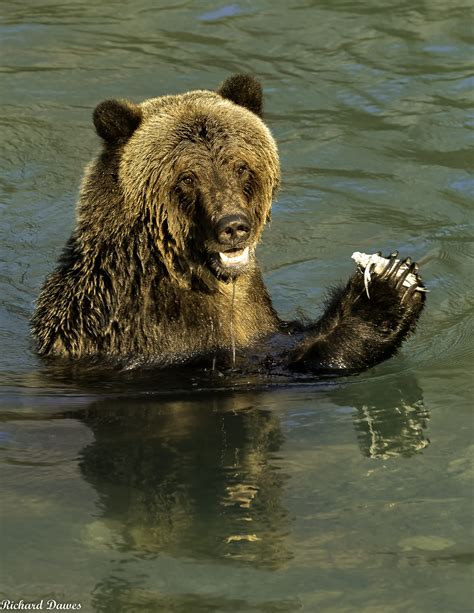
<point x="189" y="477"/>
<point x="391" y="417"/>
<point x="376" y="430"/>
<point x="199" y="477"/>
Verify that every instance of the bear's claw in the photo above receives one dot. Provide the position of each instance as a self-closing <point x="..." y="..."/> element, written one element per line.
<point x="403" y="272"/>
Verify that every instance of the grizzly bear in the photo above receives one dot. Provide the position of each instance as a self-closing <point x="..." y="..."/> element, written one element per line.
<point x="161" y="266"/>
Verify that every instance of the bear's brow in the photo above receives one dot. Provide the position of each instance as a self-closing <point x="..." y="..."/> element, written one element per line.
<point x="203" y="129"/>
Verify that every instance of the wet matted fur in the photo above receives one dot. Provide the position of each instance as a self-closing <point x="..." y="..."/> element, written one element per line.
<point x="161" y="266"/>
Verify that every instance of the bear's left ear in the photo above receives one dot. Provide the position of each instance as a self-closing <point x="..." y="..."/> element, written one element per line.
<point x="116" y="120"/>
<point x="244" y="90"/>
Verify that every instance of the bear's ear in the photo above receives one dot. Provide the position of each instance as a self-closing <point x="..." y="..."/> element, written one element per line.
<point x="244" y="90"/>
<point x="116" y="120"/>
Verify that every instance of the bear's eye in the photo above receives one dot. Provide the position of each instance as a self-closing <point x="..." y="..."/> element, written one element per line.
<point x="187" y="180"/>
<point x="242" y="170"/>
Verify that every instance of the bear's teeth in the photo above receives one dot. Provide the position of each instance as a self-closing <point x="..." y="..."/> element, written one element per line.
<point x="239" y="258"/>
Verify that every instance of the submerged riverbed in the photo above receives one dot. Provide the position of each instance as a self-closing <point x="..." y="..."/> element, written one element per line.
<point x="224" y="492"/>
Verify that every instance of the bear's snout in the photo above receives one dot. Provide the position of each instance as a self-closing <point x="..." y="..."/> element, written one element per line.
<point x="233" y="230"/>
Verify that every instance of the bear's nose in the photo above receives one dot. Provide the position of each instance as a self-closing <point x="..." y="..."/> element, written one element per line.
<point x="232" y="229"/>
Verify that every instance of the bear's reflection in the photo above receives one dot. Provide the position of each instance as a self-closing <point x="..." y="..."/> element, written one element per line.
<point x="391" y="416"/>
<point x="196" y="478"/>
<point x="201" y="476"/>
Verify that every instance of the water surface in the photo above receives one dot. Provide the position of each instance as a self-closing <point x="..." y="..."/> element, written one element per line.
<point x="228" y="493"/>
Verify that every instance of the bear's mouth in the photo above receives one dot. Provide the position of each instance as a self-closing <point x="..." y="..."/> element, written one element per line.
<point x="234" y="257"/>
<point x="230" y="263"/>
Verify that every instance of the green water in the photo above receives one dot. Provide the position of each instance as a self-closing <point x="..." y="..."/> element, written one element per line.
<point x="145" y="493"/>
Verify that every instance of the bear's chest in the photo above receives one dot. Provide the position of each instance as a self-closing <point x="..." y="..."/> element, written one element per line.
<point x="200" y="322"/>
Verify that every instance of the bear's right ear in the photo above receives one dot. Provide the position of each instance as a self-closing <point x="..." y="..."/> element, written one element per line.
<point x="244" y="90"/>
<point x="116" y="120"/>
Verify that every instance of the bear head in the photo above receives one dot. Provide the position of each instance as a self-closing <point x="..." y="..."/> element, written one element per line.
<point x="190" y="176"/>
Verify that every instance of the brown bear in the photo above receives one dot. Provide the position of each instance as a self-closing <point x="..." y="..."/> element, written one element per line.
<point x="161" y="266"/>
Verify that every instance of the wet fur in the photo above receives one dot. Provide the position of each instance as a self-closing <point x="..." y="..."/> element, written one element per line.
<point x="140" y="278"/>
